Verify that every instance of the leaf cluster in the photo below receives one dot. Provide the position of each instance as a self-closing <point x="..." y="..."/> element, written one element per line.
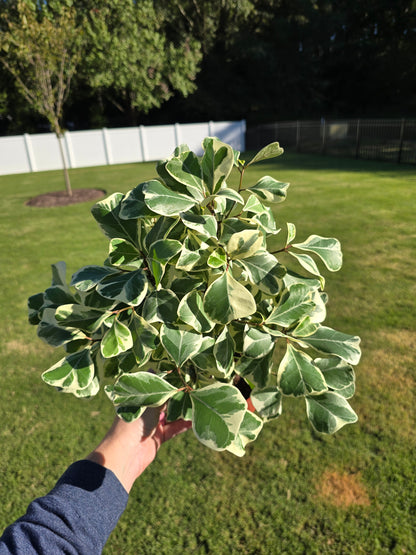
<point x="190" y="308"/>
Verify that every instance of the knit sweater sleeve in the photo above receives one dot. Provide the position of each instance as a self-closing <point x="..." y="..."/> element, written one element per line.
<point x="75" y="517"/>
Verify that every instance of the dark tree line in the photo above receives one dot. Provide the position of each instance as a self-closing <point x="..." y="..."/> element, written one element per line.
<point x="262" y="60"/>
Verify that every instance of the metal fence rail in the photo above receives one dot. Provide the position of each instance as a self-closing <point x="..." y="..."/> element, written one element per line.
<point x="393" y="140"/>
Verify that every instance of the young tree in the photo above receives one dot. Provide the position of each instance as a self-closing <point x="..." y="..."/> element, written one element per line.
<point x="41" y="47"/>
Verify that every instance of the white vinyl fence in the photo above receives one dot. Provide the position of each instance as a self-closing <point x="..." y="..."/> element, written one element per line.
<point x="40" y="152"/>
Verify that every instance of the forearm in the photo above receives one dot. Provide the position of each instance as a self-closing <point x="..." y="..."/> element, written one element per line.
<point x="76" y="517"/>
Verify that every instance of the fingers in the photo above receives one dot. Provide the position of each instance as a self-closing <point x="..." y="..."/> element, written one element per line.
<point x="172" y="429"/>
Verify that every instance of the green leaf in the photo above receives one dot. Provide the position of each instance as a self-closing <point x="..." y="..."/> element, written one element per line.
<point x="191" y="311"/>
<point x="305" y="328"/>
<point x="145" y="338"/>
<point x="266" y="222"/>
<point x="254" y="206"/>
<point x="237" y="161"/>
<point x="89" y="391"/>
<point x="291" y="278"/>
<point x="52" y="333"/>
<point x="127" y="362"/>
<point x="204" y="358"/>
<point x="72" y="373"/>
<point x="168" y="180"/>
<point x="159" y="255"/>
<point x="274" y="332"/>
<point x="264" y="271"/>
<point x="298" y="375"/>
<point x="327" y="248"/>
<point x="224" y="353"/>
<point x="163" y="201"/>
<point x="130" y="413"/>
<point x="244" y="244"/>
<point x="296" y="303"/>
<point x="57" y="295"/>
<point x="186" y="169"/>
<point x="180" y="344"/>
<point x="319" y="312"/>
<point x="34" y="304"/>
<point x="88" y="277"/>
<point x="217" y="163"/>
<point x="59" y="274"/>
<point x="183" y="285"/>
<point x="235" y="225"/>
<point x="267" y="402"/>
<point x="180" y="149"/>
<point x="218" y="411"/>
<point x="332" y="342"/>
<point x="93" y="299"/>
<point x="249" y="430"/>
<point x="133" y="206"/>
<point x="128" y="287"/>
<point x="217" y="259"/>
<point x="179" y="406"/>
<point x="257" y="343"/>
<point x="338" y="375"/>
<point x="270" y="151"/>
<point x="124" y="254"/>
<point x="81" y="317"/>
<point x="116" y="340"/>
<point x="161" y="306"/>
<point x="188" y="259"/>
<point x="107" y="214"/>
<point x="137" y="390"/>
<point x="260" y="214"/>
<point x="256" y="370"/>
<point x="329" y="412"/>
<point x="269" y="189"/>
<point x="291" y="233"/>
<point x="206" y="226"/>
<point x="309" y="264"/>
<point x="230" y="194"/>
<point x="160" y="230"/>
<point x="226" y="300"/>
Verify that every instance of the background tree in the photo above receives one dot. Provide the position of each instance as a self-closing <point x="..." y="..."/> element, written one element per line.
<point x="163" y="61"/>
<point x="41" y="47"/>
<point x="130" y="61"/>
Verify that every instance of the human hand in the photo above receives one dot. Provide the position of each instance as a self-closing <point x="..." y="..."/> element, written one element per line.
<point x="129" y="447"/>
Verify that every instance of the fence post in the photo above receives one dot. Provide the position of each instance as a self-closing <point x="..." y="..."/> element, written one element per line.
<point x="297" y="135"/>
<point x="30" y="154"/>
<point x="276" y="130"/>
<point x="178" y="138"/>
<point x="399" y="155"/>
<point x="357" y="140"/>
<point x="143" y="144"/>
<point x="107" y="146"/>
<point x="243" y="129"/>
<point x="69" y="150"/>
<point x="323" y="129"/>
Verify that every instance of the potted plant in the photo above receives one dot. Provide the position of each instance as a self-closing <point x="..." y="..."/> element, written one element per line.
<point x="190" y="310"/>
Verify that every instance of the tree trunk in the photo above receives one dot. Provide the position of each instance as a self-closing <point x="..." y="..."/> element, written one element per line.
<point x="59" y="136"/>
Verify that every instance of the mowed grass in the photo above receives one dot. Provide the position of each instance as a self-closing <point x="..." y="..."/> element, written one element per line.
<point x="294" y="491"/>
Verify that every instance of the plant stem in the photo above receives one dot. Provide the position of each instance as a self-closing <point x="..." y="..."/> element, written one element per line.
<point x="285" y="249"/>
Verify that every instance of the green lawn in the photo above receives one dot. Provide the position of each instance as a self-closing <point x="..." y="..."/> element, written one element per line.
<point x="294" y="491"/>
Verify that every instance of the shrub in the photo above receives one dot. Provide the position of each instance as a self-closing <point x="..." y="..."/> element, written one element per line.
<point x="190" y="310"/>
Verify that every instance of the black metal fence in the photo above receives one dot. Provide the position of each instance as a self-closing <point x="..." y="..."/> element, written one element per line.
<point x="393" y="140"/>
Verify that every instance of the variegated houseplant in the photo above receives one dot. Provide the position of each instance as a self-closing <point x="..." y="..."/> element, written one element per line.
<point x="191" y="308"/>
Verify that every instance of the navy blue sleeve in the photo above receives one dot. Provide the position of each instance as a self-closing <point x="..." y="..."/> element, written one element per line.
<point x="75" y="517"/>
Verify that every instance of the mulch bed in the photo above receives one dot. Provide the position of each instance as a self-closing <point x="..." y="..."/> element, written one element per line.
<point x="61" y="198"/>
